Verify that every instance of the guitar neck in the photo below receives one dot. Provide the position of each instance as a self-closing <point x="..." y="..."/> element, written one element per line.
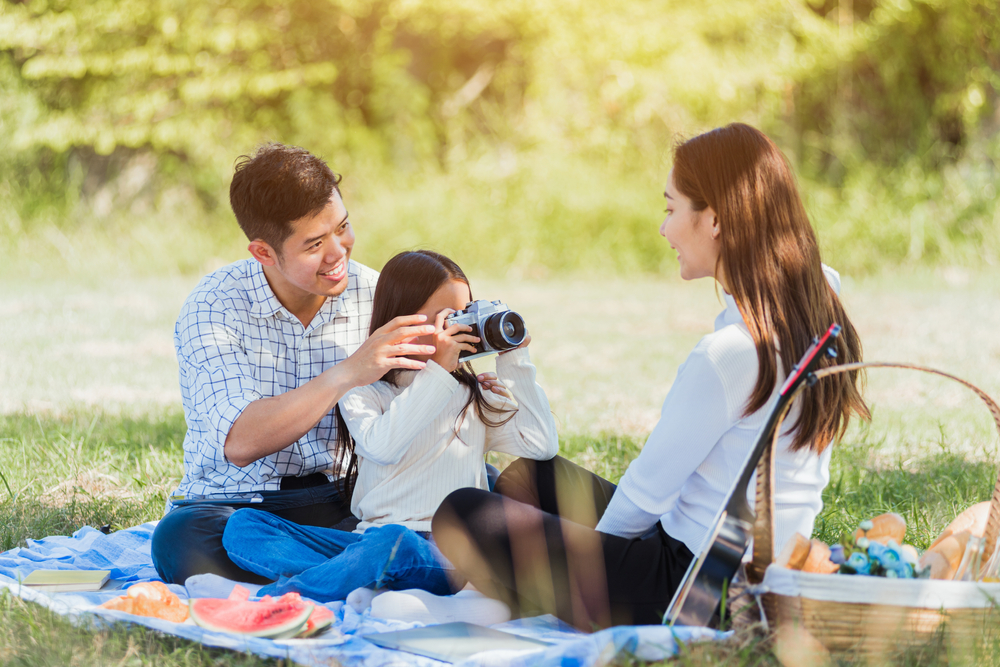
<point x="736" y="504"/>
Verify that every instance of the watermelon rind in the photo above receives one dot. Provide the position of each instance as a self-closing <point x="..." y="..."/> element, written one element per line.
<point x="320" y="625"/>
<point x="295" y="617"/>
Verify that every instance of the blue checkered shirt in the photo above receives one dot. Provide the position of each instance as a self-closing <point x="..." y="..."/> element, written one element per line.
<point x="235" y="344"/>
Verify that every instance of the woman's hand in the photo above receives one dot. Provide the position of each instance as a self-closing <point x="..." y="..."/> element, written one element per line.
<point x="489" y="382"/>
<point x="451" y="342"/>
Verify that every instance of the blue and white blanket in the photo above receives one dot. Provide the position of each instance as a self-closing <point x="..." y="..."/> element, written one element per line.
<point x="126" y="554"/>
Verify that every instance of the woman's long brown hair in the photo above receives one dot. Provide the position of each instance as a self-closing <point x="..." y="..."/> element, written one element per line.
<point x="405" y="284"/>
<point x="770" y="263"/>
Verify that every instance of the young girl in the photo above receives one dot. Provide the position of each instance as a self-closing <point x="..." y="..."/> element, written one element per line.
<point x="733" y="215"/>
<point x="417" y="436"/>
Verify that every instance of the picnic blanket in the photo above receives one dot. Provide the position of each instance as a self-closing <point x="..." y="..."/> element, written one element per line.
<point x="126" y="554"/>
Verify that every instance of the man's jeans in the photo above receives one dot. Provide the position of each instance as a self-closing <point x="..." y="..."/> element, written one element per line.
<point x="188" y="540"/>
<point x="326" y="564"/>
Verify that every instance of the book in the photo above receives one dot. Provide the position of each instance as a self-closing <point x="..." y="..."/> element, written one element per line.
<point x="181" y="501"/>
<point x="57" y="581"/>
<point x="453" y="642"/>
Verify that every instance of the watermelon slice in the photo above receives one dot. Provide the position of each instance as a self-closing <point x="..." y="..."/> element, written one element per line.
<point x="319" y="621"/>
<point x="239" y="593"/>
<point x="268" y="618"/>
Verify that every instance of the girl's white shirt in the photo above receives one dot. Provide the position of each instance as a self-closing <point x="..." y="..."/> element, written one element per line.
<point x="414" y="448"/>
<point x="696" y="451"/>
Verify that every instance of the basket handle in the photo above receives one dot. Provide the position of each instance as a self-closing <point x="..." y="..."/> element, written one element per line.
<point x="763" y="528"/>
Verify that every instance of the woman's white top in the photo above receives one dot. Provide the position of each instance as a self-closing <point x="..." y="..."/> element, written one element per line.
<point x="697" y="449"/>
<point x="414" y="447"/>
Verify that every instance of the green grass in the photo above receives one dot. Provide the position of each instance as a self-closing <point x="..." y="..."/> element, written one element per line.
<point x="57" y="475"/>
<point x="61" y="473"/>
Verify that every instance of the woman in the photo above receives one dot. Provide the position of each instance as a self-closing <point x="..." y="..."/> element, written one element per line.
<point x="558" y="539"/>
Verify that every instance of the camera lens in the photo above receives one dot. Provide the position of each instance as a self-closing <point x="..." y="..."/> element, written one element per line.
<point x="504" y="331"/>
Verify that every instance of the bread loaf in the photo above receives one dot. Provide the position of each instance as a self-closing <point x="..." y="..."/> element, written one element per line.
<point x="972" y="520"/>
<point x="818" y="560"/>
<point x="795" y="553"/>
<point x="885" y="527"/>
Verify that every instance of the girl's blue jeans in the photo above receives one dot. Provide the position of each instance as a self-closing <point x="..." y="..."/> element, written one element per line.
<point x="326" y="564"/>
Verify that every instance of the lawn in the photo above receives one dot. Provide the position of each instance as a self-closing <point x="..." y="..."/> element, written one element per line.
<point x="91" y="430"/>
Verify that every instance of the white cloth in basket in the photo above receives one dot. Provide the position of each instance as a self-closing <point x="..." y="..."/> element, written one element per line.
<point x="861" y="589"/>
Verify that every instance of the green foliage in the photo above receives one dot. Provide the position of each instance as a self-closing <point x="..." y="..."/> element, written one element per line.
<point x="515" y="134"/>
<point x="915" y="79"/>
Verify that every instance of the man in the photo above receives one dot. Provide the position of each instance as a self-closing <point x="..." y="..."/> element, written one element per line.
<point x="266" y="348"/>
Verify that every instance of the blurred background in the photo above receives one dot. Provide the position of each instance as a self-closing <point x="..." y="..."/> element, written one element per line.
<point x="526" y="139"/>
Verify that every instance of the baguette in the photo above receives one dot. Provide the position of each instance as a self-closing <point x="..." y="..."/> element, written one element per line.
<point x="972" y="520"/>
<point x="794" y="554"/>
<point x="945" y="555"/>
<point x="818" y="560"/>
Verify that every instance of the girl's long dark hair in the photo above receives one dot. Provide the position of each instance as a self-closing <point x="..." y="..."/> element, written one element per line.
<point x="405" y="284"/>
<point x="771" y="264"/>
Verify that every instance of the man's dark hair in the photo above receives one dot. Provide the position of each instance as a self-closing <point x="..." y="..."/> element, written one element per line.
<point x="277" y="185"/>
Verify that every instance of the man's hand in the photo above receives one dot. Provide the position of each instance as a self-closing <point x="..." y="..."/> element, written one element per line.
<point x="270" y="424"/>
<point x="451" y="342"/>
<point x="386" y="349"/>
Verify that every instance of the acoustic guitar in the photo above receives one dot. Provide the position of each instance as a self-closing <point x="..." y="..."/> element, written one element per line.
<point x="697" y="600"/>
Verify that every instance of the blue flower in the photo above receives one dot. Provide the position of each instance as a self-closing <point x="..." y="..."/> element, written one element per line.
<point x="837" y="554"/>
<point x="859" y="563"/>
<point x="862" y="543"/>
<point x="866" y="525"/>
<point x="887" y="558"/>
<point x="875" y="550"/>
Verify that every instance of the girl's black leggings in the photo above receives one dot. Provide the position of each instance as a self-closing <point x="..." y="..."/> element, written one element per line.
<point x="532" y="544"/>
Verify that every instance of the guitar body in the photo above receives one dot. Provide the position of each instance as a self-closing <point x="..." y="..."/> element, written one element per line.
<point x="698" y="599"/>
<point x="712" y="571"/>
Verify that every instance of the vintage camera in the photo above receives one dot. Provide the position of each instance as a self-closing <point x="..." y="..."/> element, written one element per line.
<point x="499" y="328"/>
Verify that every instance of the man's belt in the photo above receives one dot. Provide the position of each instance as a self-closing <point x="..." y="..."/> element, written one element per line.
<point x="306" y="482"/>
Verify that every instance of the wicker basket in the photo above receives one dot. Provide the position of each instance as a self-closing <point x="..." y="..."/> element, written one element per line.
<point x="870" y="615"/>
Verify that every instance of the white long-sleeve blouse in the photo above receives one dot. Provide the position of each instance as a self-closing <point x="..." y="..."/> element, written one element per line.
<point x="697" y="449"/>
<point x="414" y="449"/>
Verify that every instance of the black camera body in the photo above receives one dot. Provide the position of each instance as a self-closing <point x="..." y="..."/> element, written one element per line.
<point x="498" y="327"/>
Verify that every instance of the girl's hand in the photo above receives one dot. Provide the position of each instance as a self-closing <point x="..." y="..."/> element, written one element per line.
<point x="451" y="342"/>
<point x="489" y="382"/>
<point x="524" y="343"/>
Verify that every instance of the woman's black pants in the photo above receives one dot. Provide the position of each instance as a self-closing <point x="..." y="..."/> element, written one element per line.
<point x="532" y="544"/>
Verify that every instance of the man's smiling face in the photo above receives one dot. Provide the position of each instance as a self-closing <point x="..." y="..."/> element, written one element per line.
<point x="312" y="263"/>
<point x="314" y="257"/>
